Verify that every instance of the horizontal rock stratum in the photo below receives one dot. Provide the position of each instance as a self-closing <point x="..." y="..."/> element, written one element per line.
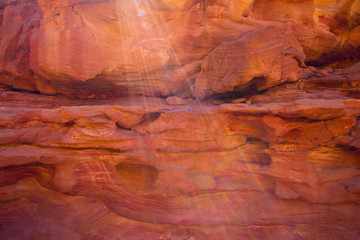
<point x="98" y="49"/>
<point x="135" y="168"/>
<point x="164" y="119"/>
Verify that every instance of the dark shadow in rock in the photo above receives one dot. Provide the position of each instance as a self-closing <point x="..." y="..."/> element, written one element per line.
<point x="41" y="171"/>
<point x="140" y="177"/>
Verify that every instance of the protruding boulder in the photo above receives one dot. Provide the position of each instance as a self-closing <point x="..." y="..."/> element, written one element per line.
<point x="263" y="57"/>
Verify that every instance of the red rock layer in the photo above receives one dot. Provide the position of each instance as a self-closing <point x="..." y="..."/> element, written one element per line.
<point x="98" y="49"/>
<point x="269" y="149"/>
<point x="139" y="168"/>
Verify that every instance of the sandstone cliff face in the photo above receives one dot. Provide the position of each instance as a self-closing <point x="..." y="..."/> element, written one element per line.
<point x="254" y="142"/>
<point x="284" y="168"/>
<point x="158" y="48"/>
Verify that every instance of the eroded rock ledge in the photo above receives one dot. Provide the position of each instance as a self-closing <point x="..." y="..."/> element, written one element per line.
<point x="288" y="167"/>
<point x="101" y="49"/>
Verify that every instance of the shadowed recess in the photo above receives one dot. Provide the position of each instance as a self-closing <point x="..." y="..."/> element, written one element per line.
<point x="140" y="177"/>
<point x="42" y="172"/>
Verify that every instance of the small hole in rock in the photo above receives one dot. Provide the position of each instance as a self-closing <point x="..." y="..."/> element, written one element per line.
<point x="140" y="177"/>
<point x="118" y="125"/>
<point x="69" y="123"/>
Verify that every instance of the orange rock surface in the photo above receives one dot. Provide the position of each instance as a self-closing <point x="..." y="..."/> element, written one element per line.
<point x="159" y="47"/>
<point x="164" y="119"/>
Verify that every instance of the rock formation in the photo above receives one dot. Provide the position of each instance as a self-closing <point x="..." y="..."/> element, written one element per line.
<point x="164" y="119"/>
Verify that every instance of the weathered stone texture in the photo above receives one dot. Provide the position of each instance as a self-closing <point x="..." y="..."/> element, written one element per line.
<point x="174" y="119"/>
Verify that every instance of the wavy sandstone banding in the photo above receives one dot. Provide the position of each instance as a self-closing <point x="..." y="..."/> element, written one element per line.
<point x="263" y="57"/>
<point x="101" y="49"/>
<point x="280" y="163"/>
<point x="165" y="187"/>
<point x="135" y="54"/>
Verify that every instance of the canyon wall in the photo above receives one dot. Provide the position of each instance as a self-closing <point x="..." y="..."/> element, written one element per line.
<point x="108" y="48"/>
<point x="187" y="119"/>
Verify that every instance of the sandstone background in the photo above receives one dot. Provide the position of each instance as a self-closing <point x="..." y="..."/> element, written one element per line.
<point x="186" y="119"/>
